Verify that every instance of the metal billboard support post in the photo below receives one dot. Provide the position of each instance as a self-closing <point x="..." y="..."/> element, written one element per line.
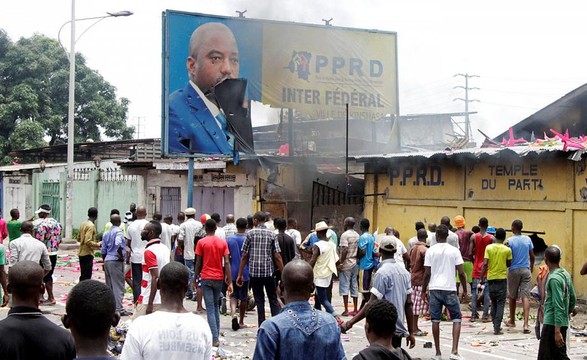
<point x="290" y="136"/>
<point x="190" y="182"/>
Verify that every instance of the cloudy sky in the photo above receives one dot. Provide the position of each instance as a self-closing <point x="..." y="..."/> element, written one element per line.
<point x="527" y="54"/>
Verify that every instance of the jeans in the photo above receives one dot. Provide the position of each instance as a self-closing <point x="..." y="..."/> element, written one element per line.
<point x="191" y="271"/>
<point x="474" y="295"/>
<point x="211" y="292"/>
<point x="450" y="300"/>
<point x="257" y="285"/>
<point x="322" y="294"/>
<point x="498" y="293"/>
<point x="86" y="262"/>
<point x="137" y="278"/>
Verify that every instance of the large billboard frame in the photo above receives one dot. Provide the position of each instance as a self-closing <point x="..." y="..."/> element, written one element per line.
<point x="166" y="69"/>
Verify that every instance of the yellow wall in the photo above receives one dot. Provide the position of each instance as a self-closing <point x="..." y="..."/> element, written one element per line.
<point x="545" y="193"/>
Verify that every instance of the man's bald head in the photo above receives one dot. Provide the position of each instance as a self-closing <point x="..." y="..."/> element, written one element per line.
<point x="349" y="222"/>
<point x="25" y="281"/>
<point x="141" y="212"/>
<point x="552" y="254"/>
<point x="298" y="280"/>
<point x="229" y="218"/>
<point x="213" y="55"/>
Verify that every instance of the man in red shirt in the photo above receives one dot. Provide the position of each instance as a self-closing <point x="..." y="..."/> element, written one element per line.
<point x="479" y="242"/>
<point x="213" y="267"/>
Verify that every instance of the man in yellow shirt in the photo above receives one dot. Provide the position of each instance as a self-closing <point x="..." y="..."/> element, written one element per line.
<point x="497" y="259"/>
<point x="87" y="236"/>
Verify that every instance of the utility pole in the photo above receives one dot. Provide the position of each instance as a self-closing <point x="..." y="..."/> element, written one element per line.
<point x="328" y="22"/>
<point x="466" y="100"/>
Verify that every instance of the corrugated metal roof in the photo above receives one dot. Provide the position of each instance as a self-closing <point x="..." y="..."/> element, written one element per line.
<point x="476" y="152"/>
<point x="9" y="168"/>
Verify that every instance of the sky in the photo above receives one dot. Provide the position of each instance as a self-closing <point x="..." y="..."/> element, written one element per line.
<point x="527" y="54"/>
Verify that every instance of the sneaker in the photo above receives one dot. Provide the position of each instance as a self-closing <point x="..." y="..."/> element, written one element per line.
<point x="497" y="332"/>
<point x="456" y="357"/>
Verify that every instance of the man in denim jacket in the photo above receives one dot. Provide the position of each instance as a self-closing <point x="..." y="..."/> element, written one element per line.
<point x="299" y="331"/>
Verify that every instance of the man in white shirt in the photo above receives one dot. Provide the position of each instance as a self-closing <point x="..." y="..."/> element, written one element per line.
<point x="165" y="230"/>
<point x="185" y="240"/>
<point x="401" y="254"/>
<point x="172" y="333"/>
<point x="413" y="241"/>
<point x="155" y="257"/>
<point x="230" y="227"/>
<point x="440" y="264"/>
<point x="136" y="246"/>
<point x="219" y="230"/>
<point x="453" y="238"/>
<point x="27" y="247"/>
<point x="292" y="230"/>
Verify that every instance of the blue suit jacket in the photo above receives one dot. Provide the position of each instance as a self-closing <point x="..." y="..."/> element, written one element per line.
<point x="192" y="127"/>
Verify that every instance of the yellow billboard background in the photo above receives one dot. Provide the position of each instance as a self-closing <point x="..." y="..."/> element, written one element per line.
<point x="318" y="70"/>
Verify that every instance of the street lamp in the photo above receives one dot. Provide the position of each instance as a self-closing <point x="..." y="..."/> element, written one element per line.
<point x="71" y="106"/>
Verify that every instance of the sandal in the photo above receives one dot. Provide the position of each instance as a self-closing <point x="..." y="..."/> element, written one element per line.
<point x="510" y="324"/>
<point x="527" y="331"/>
<point x="421" y="333"/>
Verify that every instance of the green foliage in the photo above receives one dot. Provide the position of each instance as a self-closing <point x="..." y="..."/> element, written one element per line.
<point x="75" y="234"/>
<point x="34" y="78"/>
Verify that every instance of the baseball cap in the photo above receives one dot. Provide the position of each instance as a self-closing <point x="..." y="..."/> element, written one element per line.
<point x="388" y="244"/>
<point x="491" y="230"/>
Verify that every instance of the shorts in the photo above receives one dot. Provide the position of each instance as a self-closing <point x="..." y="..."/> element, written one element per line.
<point x="419" y="306"/>
<point x="240" y="292"/>
<point x="519" y="283"/>
<point x="450" y="300"/>
<point x="49" y="276"/>
<point x="349" y="280"/>
<point x="365" y="278"/>
<point x="468" y="267"/>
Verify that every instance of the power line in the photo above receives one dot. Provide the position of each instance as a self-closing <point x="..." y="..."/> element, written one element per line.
<point x="466" y="100"/>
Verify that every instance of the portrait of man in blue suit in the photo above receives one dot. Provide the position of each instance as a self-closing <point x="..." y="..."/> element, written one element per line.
<point x="197" y="123"/>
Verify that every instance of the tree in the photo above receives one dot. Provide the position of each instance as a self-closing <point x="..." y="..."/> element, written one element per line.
<point x="34" y="78"/>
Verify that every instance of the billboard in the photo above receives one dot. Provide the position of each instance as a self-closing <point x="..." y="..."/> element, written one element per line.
<point x="214" y="66"/>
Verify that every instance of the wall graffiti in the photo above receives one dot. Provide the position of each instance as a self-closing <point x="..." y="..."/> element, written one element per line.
<point x="518" y="177"/>
<point x="416" y="176"/>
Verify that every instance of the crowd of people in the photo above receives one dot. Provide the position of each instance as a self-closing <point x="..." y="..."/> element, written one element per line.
<point x="198" y="259"/>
